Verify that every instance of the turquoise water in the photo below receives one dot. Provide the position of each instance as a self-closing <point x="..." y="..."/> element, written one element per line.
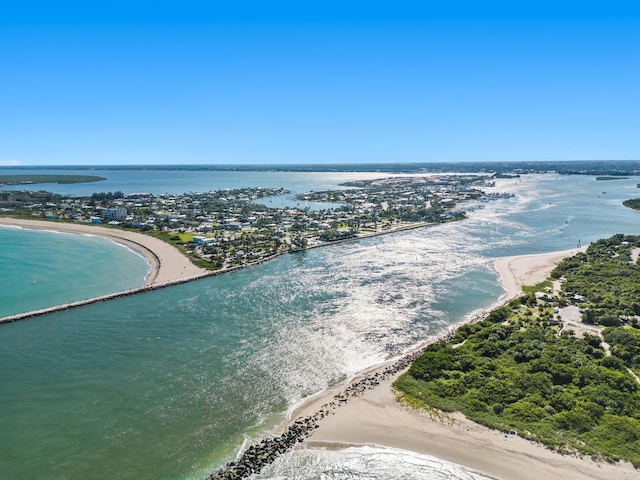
<point x="170" y="384"/>
<point x="42" y="269"/>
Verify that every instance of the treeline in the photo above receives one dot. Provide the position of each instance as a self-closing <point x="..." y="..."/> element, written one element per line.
<point x="632" y="203"/>
<point x="60" y="179"/>
<point x="520" y="371"/>
<point x="585" y="167"/>
<point x="607" y="275"/>
<point x="102" y="196"/>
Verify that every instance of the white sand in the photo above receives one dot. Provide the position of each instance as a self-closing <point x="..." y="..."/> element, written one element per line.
<point x="528" y="269"/>
<point x="168" y="264"/>
<point x="376" y="418"/>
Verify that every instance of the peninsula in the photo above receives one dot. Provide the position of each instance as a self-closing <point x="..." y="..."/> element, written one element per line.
<point x="606" y="335"/>
<point x="189" y="236"/>
<point x="35" y="179"/>
<point x="223" y="229"/>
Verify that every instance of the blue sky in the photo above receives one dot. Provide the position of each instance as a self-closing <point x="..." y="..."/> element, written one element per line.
<point x="317" y="82"/>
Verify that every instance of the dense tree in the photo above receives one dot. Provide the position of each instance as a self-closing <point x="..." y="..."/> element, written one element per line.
<point x="513" y="371"/>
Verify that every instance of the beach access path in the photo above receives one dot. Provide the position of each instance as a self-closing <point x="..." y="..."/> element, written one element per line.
<point x="377" y="418"/>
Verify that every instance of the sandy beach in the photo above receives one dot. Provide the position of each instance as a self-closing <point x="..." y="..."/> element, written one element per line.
<point x="528" y="270"/>
<point x="168" y="264"/>
<point x="376" y="418"/>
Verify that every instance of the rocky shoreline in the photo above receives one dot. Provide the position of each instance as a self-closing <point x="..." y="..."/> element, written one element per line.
<point x="257" y="456"/>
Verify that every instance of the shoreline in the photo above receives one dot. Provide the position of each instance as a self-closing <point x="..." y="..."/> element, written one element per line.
<point x="168" y="266"/>
<point x="167" y="262"/>
<point x="364" y="411"/>
<point x="530" y="269"/>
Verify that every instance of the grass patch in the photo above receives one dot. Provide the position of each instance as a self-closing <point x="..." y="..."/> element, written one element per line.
<point x="538" y="287"/>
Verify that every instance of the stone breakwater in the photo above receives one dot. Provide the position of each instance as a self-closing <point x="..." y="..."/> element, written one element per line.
<point x="103" y="298"/>
<point x="127" y="293"/>
<point x="256" y="457"/>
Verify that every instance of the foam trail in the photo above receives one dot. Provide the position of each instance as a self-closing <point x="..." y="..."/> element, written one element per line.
<point x="364" y="463"/>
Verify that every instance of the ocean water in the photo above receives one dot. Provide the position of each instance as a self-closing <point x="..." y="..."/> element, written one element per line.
<point x="366" y="462"/>
<point x="170" y="384"/>
<point x="43" y="269"/>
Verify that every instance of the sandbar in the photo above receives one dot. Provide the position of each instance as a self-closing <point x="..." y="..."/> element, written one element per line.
<point x="377" y="418"/>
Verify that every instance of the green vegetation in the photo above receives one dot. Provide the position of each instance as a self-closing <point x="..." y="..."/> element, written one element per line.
<point x="521" y="370"/>
<point x="177" y="241"/>
<point x="625" y="345"/>
<point x="632" y="203"/>
<point x="607" y="275"/>
<point x="540" y="287"/>
<point x="229" y="228"/>
<point x="334" y="235"/>
<point x="61" y="179"/>
<point x="611" y="178"/>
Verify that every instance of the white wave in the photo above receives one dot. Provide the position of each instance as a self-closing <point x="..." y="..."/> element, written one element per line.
<point x="364" y="463"/>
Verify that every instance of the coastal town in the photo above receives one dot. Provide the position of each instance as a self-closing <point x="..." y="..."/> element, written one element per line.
<point x="223" y="229"/>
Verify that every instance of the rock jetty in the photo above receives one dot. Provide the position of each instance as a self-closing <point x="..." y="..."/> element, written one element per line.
<point x="257" y="456"/>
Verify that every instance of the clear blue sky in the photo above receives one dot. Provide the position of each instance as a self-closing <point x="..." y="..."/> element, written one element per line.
<point x="314" y="82"/>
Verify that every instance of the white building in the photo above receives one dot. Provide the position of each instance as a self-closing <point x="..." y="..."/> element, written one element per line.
<point x="114" y="214"/>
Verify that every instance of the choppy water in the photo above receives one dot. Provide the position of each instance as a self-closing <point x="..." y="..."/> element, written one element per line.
<point x="169" y="384"/>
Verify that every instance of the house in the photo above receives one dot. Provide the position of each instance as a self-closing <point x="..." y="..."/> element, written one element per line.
<point x="202" y="241"/>
<point x="233" y="226"/>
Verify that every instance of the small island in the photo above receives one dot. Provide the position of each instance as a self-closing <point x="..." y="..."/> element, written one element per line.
<point x="59" y="179"/>
<point x="633" y="203"/>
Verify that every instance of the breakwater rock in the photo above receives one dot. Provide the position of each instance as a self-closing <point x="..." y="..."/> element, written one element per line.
<point x="257" y="456"/>
<point x="103" y="298"/>
<point x="134" y="291"/>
